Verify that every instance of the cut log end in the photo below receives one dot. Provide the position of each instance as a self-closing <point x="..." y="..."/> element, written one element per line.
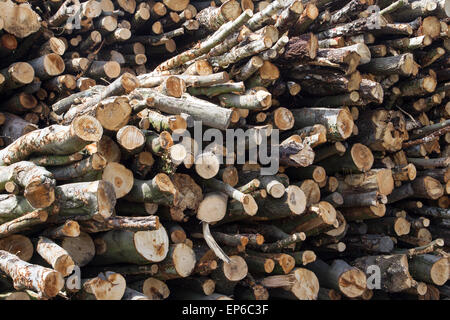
<point x="402" y="226"/>
<point x="306" y="286"/>
<point x="110" y="286"/>
<point x="113" y="115"/>
<point x="439" y="272"/>
<point x="87" y="128"/>
<point x="235" y="270"/>
<point x="130" y="137"/>
<point x="53" y="283"/>
<point x="174" y="86"/>
<point x="276" y="189"/>
<point x="213" y="207"/>
<point x="81" y="249"/>
<point x="207" y="165"/>
<point x="22" y="72"/>
<point x="230" y="176"/>
<point x="40" y="195"/>
<point x="19" y="245"/>
<point x="184" y="259"/>
<point x="362" y="157"/>
<point x="308" y="257"/>
<point x="296" y="199"/>
<point x="385" y="181"/>
<point x="283" y="118"/>
<point x="64" y="264"/>
<point x="106" y="198"/>
<point x="152" y="245"/>
<point x="249" y="204"/>
<point x="352" y="283"/>
<point x="155" y="289"/>
<point x="71" y="229"/>
<point x="345" y="123"/>
<point x="120" y="178"/>
<point x="112" y="69"/>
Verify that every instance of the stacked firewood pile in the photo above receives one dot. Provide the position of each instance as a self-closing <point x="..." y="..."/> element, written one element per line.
<point x="105" y="195"/>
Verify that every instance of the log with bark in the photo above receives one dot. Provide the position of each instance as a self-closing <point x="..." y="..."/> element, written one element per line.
<point x="115" y="146"/>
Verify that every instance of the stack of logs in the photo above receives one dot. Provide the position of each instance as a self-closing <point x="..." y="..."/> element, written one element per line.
<point x="104" y="195"/>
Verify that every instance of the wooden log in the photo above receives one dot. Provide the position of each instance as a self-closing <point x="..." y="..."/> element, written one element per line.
<point x="338" y="122"/>
<point x="340" y="276"/>
<point x="56" y="256"/>
<point x="107" y="286"/>
<point x="395" y="276"/>
<point x="45" y="281"/>
<point x="118" y="246"/>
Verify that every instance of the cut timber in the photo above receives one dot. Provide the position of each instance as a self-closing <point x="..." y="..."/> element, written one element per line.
<point x="362" y="213"/>
<point x="121" y="223"/>
<point x="113" y="113"/>
<point x="122" y="246"/>
<point x="38" y="183"/>
<point x="317" y="218"/>
<point x="17" y="75"/>
<point x="130" y="138"/>
<point x="427" y="187"/>
<point x="179" y="262"/>
<point x="107" y="69"/>
<point x="375" y="179"/>
<point x="212" y="18"/>
<point x="120" y="177"/>
<point x="395" y="276"/>
<point x="201" y="110"/>
<point x="299" y="48"/>
<point x="45" y="281"/>
<point x="55" y="139"/>
<point x="430" y="268"/>
<point x="19" y="19"/>
<point x="152" y="288"/>
<point x="48" y="66"/>
<point x="81" y="248"/>
<point x="131" y="294"/>
<point x="85" y="199"/>
<point x="82" y="168"/>
<point x="213" y="207"/>
<point x="56" y="256"/>
<point x="107" y="286"/>
<point x="19" y="245"/>
<point x="200" y="284"/>
<point x="220" y="35"/>
<point x="301" y="284"/>
<point x="292" y="203"/>
<point x="160" y="189"/>
<point x="247" y="201"/>
<point x="207" y="165"/>
<point x="70" y="228"/>
<point x="20" y="103"/>
<point x="358" y="158"/>
<point x="228" y="274"/>
<point x="339" y="275"/>
<point x="339" y="122"/>
<point x="176" y="5"/>
<point x="394" y="226"/>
